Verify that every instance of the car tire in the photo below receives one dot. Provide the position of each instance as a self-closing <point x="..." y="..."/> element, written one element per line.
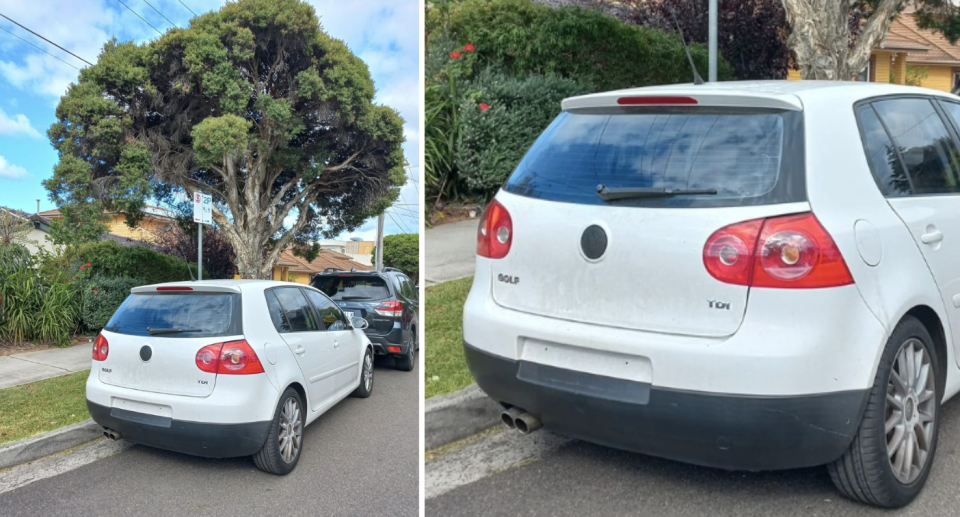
<point x="365" y="389"/>
<point x="272" y="457"/>
<point x="866" y="472"/>
<point x="407" y="361"/>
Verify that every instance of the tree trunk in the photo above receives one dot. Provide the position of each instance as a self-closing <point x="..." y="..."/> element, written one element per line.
<point x="820" y="37"/>
<point x="250" y="262"/>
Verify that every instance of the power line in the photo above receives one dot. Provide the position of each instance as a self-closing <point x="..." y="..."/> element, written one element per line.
<point x="38" y="48"/>
<point x="141" y="17"/>
<point x="161" y="14"/>
<point x="45" y="39"/>
<point x="189" y="9"/>
<point x="402" y="227"/>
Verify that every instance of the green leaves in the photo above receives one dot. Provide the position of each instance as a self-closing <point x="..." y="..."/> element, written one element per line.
<point x="218" y="138"/>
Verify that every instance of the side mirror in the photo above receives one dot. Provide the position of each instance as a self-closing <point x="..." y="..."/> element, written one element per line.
<point x="359" y="323"/>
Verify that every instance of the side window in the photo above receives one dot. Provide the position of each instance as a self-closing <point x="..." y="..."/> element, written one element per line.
<point x="930" y="157"/>
<point x="296" y="310"/>
<point x="398" y="285"/>
<point x="330" y="315"/>
<point x="882" y="155"/>
<point x="409" y="288"/>
<point x="276" y="313"/>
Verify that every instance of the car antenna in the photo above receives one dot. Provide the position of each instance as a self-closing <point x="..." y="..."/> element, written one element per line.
<point x="696" y="75"/>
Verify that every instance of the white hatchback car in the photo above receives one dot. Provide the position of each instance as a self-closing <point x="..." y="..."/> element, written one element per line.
<point x="744" y="275"/>
<point x="226" y="368"/>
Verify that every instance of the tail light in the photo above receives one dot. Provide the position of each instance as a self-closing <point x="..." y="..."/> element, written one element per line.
<point x="791" y="252"/>
<point x="100" y="348"/>
<point x="390" y="309"/>
<point x="495" y="233"/>
<point x="231" y="358"/>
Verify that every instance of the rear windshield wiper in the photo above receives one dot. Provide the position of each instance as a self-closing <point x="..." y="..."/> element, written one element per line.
<point x="611" y="194"/>
<point x="354" y="297"/>
<point x="154" y="332"/>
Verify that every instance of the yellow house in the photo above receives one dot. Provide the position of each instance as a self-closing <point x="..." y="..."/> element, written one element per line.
<point x="291" y="268"/>
<point x="155" y="221"/>
<point x="911" y="55"/>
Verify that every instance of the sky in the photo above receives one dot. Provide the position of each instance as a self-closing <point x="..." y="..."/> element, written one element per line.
<point x="384" y="33"/>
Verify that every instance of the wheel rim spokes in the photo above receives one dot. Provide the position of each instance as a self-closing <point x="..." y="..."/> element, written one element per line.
<point x="368" y="372"/>
<point x="291" y="431"/>
<point x="910" y="411"/>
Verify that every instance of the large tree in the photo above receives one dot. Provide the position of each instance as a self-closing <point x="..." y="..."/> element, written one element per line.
<point x="833" y="39"/>
<point x="401" y="251"/>
<point x="253" y="104"/>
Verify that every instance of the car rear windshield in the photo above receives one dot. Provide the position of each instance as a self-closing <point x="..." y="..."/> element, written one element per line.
<point x="749" y="156"/>
<point x="347" y="288"/>
<point x="168" y="314"/>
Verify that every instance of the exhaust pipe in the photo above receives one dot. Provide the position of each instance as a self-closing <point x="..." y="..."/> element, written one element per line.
<point x="111" y="434"/>
<point x="509" y="417"/>
<point x="526" y="423"/>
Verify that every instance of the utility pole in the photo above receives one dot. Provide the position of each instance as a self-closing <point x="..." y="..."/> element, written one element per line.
<point x="712" y="43"/>
<point x="379" y="258"/>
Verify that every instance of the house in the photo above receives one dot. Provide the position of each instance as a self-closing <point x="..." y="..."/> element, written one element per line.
<point x="911" y="55"/>
<point x="359" y="250"/>
<point x="155" y="221"/>
<point x="291" y="268"/>
<point x="36" y="239"/>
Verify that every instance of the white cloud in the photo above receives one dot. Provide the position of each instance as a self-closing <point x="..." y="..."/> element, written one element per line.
<point x="16" y="125"/>
<point x="9" y="170"/>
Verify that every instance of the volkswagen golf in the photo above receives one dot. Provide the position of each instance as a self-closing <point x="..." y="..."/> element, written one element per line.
<point x="226" y="368"/>
<point x="742" y="275"/>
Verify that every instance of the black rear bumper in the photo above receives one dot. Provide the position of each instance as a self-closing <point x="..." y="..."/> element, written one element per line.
<point x="382" y="341"/>
<point x="198" y="439"/>
<point x="715" y="430"/>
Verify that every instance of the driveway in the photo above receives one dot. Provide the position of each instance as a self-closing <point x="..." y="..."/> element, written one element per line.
<point x="544" y="474"/>
<point x="361" y="457"/>
<point x="450" y="250"/>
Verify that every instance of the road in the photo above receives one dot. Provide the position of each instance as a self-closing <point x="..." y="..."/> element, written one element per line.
<point x="511" y="474"/>
<point x="361" y="457"/>
<point x="451" y="250"/>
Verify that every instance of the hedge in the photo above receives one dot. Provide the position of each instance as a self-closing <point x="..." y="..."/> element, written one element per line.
<point x="110" y="259"/>
<point x="102" y="297"/>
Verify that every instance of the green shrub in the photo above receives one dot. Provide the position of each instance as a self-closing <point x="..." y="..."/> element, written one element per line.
<point x="38" y="310"/>
<point x="525" y="37"/>
<point x="110" y="259"/>
<point x="101" y="298"/>
<point x="493" y="141"/>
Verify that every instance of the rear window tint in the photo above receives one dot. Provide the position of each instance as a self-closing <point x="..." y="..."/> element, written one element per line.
<point x="296" y="313"/>
<point x="882" y="155"/>
<point x="346" y="288"/>
<point x="215" y="314"/>
<point x="748" y="156"/>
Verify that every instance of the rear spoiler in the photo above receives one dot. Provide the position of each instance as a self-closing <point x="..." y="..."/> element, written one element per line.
<point x="684" y="97"/>
<point x="174" y="288"/>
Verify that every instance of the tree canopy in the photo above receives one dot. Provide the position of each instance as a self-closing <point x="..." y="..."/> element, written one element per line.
<point x="402" y="251"/>
<point x="253" y="104"/>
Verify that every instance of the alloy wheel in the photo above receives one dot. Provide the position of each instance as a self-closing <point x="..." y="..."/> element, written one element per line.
<point x="910" y="411"/>
<point x="291" y="430"/>
<point x="368" y="372"/>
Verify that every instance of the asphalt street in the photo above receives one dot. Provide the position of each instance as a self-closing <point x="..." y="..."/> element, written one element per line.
<point x="549" y="475"/>
<point x="361" y="457"/>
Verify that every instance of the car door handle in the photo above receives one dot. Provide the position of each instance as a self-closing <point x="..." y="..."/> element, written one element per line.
<point x="336" y="344"/>
<point x="932" y="237"/>
<point x="300" y="350"/>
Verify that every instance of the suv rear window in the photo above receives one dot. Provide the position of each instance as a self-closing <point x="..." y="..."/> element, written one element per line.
<point x="215" y="314"/>
<point x="346" y="288"/>
<point x="750" y="156"/>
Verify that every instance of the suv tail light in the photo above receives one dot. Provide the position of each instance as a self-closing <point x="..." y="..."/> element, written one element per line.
<point x="390" y="309"/>
<point x="495" y="233"/>
<point x="791" y="252"/>
<point x="230" y="358"/>
<point x="100" y="348"/>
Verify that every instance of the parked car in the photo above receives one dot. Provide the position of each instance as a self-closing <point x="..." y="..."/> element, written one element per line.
<point x="226" y="368"/>
<point x="388" y="300"/>
<point x="743" y="275"/>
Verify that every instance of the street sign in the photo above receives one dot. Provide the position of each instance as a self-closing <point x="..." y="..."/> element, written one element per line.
<point x="202" y="208"/>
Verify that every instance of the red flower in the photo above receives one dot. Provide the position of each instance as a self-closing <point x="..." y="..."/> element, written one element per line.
<point x="484" y="106"/>
<point x="455" y="54"/>
<point x="468" y="47"/>
<point x="88" y="264"/>
<point x="82" y="268"/>
<point x="95" y="291"/>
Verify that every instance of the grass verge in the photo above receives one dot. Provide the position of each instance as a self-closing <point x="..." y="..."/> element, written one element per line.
<point x="42" y="406"/>
<point x="446" y="370"/>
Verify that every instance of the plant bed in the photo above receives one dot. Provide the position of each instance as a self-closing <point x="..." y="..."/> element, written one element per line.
<point x="446" y="369"/>
<point x="10" y="348"/>
<point x="454" y="213"/>
<point x="42" y="406"/>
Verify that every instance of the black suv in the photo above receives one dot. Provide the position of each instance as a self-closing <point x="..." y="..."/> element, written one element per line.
<point x="387" y="300"/>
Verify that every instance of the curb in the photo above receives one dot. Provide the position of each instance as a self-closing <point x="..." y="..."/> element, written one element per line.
<point x="455" y="416"/>
<point x="59" y="440"/>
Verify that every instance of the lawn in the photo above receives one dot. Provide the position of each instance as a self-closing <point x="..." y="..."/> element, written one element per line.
<point x="446" y="369"/>
<point x="42" y="406"/>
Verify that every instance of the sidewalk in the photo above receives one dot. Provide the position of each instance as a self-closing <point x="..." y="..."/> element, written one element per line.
<point x="27" y="367"/>
<point x="450" y="250"/>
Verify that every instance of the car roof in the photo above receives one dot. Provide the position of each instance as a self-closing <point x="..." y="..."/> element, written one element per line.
<point x="771" y="94"/>
<point x="235" y="286"/>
